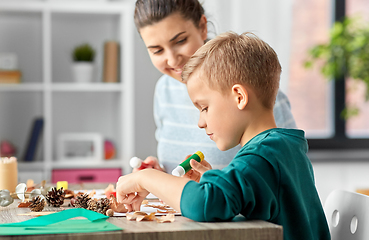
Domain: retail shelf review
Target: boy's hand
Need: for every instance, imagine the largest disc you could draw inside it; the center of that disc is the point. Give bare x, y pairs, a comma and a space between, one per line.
130, 192
152, 161
197, 170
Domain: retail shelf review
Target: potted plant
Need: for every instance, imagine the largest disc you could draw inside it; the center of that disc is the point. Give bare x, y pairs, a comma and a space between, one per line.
83, 57
345, 55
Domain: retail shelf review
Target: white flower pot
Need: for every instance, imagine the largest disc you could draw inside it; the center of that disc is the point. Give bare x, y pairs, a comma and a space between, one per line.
82, 71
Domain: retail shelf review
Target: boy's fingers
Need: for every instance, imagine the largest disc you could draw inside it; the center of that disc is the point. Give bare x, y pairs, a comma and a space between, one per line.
198, 166
126, 199
129, 207
206, 164
188, 174
137, 205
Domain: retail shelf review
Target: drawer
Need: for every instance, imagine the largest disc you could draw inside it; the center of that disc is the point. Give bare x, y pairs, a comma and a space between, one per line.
108, 175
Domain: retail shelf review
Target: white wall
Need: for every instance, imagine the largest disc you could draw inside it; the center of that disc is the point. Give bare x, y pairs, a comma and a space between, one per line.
269, 19
340, 169
146, 76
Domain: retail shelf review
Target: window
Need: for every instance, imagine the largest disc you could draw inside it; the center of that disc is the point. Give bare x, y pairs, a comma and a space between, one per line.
357, 127
317, 102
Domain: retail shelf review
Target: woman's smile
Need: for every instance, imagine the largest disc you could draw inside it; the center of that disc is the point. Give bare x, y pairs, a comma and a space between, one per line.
171, 49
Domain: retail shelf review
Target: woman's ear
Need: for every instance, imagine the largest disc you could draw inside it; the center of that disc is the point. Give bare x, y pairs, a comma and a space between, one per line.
203, 25
241, 95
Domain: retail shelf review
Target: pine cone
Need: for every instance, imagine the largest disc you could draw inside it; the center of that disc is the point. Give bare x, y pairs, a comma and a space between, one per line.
55, 197
92, 204
82, 201
102, 205
37, 204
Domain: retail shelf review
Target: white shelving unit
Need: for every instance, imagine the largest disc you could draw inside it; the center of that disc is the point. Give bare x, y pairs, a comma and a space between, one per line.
43, 34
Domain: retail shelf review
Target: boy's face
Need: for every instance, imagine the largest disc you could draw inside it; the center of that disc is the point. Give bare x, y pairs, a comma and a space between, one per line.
219, 114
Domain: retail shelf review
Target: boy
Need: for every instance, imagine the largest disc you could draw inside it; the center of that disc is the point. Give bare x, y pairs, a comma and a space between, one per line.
233, 81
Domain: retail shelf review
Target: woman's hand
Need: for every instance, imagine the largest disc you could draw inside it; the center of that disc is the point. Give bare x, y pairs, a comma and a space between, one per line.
130, 192
153, 162
198, 169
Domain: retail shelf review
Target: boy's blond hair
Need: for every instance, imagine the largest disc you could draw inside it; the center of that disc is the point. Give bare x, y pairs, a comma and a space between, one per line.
231, 59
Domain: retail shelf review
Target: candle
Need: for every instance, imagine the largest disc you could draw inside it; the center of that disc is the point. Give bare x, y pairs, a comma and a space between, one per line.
8, 173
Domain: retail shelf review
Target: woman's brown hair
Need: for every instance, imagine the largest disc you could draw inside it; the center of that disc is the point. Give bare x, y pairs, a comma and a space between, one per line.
148, 12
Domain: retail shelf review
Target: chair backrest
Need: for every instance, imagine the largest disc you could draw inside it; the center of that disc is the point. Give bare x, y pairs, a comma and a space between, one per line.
347, 215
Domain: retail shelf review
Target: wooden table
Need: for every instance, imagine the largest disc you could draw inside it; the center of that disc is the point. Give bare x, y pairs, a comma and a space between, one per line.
181, 229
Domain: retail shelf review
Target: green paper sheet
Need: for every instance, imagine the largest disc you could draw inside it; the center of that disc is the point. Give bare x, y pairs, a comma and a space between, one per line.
60, 222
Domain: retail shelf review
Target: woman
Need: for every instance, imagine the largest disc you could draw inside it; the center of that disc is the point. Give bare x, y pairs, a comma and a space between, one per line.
172, 31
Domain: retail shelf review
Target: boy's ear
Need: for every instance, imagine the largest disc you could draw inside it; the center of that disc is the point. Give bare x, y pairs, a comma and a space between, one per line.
241, 95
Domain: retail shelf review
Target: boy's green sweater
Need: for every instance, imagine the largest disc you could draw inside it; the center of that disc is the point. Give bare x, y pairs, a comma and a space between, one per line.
270, 179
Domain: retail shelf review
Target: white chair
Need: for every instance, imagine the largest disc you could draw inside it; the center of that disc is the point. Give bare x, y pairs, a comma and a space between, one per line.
347, 215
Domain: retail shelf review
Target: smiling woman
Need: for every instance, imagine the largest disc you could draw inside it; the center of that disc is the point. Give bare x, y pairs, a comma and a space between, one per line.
173, 30
170, 50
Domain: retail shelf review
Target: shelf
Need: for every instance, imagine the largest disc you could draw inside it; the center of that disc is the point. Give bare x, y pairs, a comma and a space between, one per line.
30, 166
82, 7
86, 87
21, 87
43, 34
98, 7
62, 87
21, 6
113, 163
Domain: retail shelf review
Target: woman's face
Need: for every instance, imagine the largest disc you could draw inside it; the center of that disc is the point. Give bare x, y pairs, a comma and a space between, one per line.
172, 41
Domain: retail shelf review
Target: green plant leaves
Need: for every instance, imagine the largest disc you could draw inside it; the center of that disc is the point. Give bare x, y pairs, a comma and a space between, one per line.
346, 54
84, 53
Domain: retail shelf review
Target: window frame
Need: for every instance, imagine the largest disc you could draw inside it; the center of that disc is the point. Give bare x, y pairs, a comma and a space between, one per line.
339, 140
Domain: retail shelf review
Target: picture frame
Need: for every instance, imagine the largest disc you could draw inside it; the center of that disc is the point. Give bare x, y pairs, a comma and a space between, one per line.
80, 147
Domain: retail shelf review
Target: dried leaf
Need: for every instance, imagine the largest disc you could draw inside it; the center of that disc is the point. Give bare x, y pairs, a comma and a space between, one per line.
92, 193
110, 188
131, 216
30, 189
24, 204
110, 191
166, 211
30, 183
117, 207
135, 215
68, 196
165, 219
69, 193
140, 213
150, 217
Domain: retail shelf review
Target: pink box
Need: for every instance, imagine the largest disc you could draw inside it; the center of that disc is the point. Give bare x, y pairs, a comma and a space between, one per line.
109, 175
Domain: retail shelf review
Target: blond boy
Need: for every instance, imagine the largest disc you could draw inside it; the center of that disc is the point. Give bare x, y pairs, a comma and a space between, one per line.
233, 81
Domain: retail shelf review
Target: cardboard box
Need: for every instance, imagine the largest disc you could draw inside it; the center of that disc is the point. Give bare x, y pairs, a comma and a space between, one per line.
111, 61
10, 76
